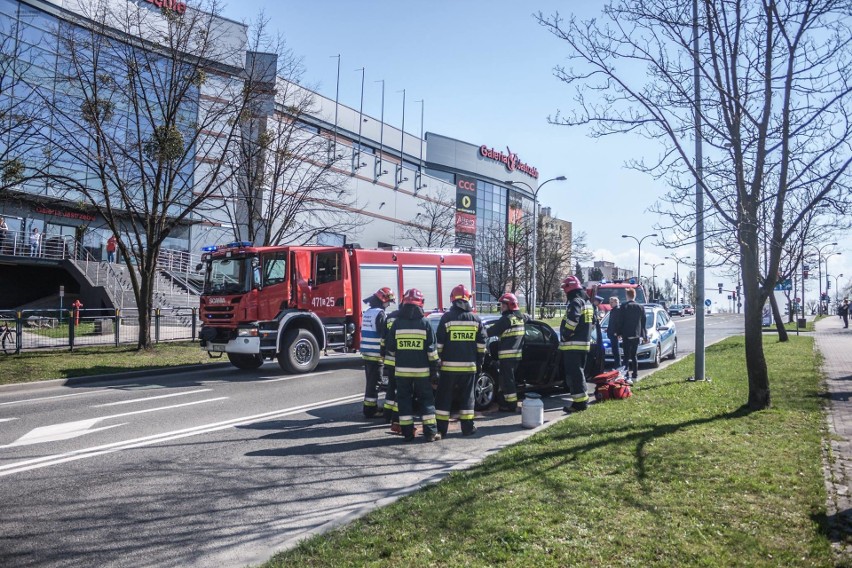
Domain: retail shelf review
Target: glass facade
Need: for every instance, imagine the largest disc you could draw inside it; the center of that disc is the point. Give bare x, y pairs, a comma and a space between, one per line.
50, 79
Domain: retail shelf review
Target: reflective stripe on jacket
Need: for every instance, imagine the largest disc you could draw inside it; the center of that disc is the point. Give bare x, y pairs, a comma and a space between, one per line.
575, 332
510, 329
411, 345
461, 341
372, 332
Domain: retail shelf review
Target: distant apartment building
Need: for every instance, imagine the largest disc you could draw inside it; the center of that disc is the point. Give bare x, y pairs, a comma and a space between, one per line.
606, 270
558, 232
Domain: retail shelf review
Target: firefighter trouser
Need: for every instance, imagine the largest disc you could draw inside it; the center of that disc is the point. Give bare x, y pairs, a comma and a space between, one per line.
447, 384
373, 371
616, 352
407, 388
575, 379
631, 345
508, 384
391, 409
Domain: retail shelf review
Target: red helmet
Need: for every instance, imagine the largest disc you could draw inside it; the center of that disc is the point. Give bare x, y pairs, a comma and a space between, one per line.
460, 292
510, 299
385, 295
413, 296
571, 283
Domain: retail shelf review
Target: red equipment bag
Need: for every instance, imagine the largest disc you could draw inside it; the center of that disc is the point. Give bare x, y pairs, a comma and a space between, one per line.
602, 392
619, 389
606, 377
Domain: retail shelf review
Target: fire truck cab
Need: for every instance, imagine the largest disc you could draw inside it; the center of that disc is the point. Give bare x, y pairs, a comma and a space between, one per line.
292, 302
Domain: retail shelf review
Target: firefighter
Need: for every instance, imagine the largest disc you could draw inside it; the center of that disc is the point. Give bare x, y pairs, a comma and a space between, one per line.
373, 330
411, 344
461, 349
575, 341
510, 329
391, 411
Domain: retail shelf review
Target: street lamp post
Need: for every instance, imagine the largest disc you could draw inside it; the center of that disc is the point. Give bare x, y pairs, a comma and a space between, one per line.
826, 257
678, 260
533, 284
836, 284
639, 242
654, 266
819, 270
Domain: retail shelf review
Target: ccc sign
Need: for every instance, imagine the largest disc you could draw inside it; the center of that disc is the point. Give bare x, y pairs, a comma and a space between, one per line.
466, 185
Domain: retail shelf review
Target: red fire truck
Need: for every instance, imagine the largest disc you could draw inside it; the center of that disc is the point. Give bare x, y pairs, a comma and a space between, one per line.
292, 302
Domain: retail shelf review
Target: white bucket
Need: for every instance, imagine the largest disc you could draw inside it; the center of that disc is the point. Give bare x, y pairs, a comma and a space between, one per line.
532, 411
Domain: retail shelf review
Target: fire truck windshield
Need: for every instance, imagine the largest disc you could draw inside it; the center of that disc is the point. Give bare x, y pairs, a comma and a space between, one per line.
228, 276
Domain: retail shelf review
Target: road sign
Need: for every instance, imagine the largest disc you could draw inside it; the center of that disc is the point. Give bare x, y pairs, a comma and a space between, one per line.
784, 285
708, 303
62, 291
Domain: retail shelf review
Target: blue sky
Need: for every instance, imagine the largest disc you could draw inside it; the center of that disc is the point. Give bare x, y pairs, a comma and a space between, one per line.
485, 72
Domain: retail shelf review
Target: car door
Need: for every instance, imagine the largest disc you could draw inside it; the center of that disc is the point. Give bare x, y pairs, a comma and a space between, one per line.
666, 329
539, 355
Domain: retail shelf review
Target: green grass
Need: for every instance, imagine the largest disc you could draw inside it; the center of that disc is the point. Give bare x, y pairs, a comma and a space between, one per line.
681, 474
32, 366
61, 330
792, 326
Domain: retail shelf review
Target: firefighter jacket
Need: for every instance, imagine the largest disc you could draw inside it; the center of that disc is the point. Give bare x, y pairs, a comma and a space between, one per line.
510, 329
411, 344
461, 340
576, 328
391, 317
373, 329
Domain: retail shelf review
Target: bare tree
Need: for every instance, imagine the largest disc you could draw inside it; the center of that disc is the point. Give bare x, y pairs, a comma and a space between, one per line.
150, 103
434, 225
292, 187
554, 262
492, 259
776, 81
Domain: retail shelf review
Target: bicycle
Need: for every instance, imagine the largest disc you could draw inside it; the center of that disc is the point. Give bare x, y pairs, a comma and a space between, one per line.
8, 339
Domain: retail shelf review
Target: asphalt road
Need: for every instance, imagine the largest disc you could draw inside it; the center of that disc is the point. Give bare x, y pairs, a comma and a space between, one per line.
215, 467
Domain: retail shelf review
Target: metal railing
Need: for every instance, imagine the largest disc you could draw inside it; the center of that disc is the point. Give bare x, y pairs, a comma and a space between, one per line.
30, 330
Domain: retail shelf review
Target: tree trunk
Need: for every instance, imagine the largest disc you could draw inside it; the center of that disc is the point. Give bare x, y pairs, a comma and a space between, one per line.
145, 303
776, 316
758, 376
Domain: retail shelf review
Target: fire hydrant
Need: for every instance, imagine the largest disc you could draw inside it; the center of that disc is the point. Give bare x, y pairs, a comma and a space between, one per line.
77, 305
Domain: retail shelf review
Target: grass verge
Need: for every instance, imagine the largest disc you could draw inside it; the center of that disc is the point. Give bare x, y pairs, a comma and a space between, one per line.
32, 366
681, 474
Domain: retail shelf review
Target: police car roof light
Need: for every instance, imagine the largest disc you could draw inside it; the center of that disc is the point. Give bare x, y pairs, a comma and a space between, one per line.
210, 248
238, 244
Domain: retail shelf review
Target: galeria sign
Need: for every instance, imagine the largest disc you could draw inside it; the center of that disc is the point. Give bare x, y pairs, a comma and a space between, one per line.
509, 159
174, 5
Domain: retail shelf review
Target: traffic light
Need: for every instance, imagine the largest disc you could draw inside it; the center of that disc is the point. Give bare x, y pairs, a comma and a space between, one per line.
805, 269
828, 284
720, 287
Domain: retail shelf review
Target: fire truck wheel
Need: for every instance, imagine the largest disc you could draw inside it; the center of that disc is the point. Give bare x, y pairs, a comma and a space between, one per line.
245, 362
299, 351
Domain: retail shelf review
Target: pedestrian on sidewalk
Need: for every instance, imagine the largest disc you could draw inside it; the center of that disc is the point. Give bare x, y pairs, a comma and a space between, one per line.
632, 330
110, 248
35, 242
612, 330
843, 311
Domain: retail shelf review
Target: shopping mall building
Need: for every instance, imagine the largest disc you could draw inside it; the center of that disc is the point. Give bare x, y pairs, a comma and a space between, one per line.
386, 176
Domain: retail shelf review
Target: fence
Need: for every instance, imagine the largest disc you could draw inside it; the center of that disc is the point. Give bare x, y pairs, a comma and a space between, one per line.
27, 330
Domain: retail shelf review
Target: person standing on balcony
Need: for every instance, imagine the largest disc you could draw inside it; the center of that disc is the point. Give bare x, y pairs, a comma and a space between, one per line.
110, 248
4, 234
35, 242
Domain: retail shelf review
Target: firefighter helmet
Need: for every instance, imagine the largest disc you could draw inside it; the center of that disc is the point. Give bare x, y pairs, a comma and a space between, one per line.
385, 295
570, 284
460, 292
510, 299
413, 296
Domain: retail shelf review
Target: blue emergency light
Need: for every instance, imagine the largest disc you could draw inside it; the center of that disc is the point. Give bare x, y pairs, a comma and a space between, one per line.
210, 248
238, 244
632, 281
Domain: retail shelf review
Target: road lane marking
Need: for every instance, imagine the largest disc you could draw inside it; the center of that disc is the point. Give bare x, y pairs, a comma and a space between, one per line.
146, 399
290, 378
50, 397
68, 430
7, 419
47, 461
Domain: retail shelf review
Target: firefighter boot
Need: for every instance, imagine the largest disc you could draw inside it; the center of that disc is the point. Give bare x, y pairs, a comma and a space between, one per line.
576, 407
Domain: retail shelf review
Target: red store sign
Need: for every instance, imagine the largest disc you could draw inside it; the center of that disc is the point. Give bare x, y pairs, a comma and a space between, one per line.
510, 160
65, 213
173, 5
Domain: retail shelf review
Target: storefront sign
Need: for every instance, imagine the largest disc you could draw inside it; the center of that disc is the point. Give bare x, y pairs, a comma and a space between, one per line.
509, 159
466, 195
173, 5
465, 223
65, 213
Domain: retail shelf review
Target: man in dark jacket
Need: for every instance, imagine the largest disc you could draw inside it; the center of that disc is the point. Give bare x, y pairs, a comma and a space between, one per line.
373, 329
461, 348
575, 342
632, 330
510, 329
411, 345
612, 330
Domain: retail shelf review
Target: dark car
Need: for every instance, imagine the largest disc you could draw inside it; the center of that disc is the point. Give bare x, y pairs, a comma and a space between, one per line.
541, 366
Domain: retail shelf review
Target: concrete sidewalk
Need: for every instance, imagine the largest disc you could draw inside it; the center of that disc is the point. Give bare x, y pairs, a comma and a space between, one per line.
835, 344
